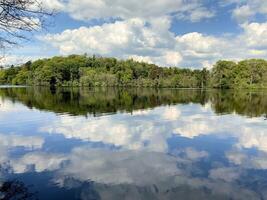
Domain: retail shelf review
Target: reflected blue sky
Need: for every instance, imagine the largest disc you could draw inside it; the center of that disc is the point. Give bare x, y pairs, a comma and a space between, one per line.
158, 153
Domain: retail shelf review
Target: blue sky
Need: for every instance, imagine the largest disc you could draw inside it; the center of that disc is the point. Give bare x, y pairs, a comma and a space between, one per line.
182, 33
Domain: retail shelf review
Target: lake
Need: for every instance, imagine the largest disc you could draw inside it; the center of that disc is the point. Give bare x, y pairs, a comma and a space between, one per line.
135, 144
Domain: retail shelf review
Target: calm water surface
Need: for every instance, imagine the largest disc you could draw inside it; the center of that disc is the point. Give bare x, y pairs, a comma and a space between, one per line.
132, 144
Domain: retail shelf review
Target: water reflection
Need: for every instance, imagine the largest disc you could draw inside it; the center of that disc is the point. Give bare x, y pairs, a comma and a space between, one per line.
151, 130
190, 144
16, 190
99, 101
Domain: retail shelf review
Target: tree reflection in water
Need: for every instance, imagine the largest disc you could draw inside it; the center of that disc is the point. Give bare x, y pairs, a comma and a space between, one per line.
16, 190
100, 101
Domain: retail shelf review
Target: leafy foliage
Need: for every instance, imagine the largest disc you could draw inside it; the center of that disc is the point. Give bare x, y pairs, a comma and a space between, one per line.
245, 74
81, 70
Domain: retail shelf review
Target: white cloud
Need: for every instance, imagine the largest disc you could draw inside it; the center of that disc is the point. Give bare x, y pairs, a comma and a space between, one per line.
193, 10
171, 113
245, 161
196, 45
118, 36
8, 60
255, 35
128, 134
142, 41
141, 112
132, 38
7, 107
236, 157
254, 136
250, 133
53, 4
145, 59
39, 160
120, 167
144, 169
133, 169
10, 141
198, 14
205, 50
149, 131
130, 169
226, 174
245, 11
30, 142
195, 125
195, 155
172, 58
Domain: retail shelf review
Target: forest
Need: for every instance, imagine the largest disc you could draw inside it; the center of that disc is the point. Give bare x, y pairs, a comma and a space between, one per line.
85, 71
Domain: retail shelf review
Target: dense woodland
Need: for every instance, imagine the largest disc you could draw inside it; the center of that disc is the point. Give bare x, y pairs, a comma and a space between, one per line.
84, 71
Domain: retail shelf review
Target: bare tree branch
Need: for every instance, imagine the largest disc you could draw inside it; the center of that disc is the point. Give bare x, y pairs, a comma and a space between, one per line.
20, 17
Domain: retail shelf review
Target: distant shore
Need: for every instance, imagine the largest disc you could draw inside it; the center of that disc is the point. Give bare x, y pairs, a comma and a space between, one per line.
84, 71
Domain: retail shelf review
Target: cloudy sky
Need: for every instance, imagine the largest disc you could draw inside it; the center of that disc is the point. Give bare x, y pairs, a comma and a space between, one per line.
183, 33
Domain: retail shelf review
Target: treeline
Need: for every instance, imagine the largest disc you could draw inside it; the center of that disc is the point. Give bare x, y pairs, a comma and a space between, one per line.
81, 70
244, 74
